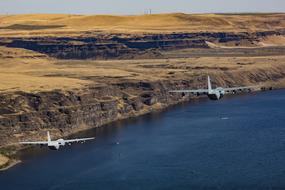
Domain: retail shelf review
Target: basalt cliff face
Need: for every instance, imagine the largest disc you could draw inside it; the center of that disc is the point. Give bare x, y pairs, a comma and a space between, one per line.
57, 76
122, 46
69, 111
24, 114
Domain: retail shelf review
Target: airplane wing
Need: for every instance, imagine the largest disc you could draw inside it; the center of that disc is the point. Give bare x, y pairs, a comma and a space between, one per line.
201, 91
35, 143
78, 140
229, 90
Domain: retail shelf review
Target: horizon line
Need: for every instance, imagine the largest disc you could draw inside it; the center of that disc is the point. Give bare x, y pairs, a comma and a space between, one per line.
161, 13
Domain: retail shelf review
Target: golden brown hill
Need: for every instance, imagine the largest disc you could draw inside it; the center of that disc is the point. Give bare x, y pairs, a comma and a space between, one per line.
17, 66
158, 23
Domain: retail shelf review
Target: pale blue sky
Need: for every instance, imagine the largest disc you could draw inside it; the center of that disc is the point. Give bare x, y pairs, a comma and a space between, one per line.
138, 6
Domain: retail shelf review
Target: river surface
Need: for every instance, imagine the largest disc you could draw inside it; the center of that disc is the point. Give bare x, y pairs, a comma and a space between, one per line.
235, 143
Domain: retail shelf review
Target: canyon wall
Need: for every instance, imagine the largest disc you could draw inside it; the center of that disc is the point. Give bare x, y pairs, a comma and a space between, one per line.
110, 46
23, 115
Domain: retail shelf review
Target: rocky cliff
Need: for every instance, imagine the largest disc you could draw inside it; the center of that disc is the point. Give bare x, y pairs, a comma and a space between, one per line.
132, 46
23, 114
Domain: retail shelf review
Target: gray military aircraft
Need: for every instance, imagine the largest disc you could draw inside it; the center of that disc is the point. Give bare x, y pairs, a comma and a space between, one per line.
55, 145
214, 94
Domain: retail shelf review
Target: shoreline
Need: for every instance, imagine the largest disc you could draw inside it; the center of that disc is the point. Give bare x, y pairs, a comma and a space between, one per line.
11, 163
15, 161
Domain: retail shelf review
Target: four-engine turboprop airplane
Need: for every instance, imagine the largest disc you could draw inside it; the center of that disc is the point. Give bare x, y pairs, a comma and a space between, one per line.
214, 94
54, 145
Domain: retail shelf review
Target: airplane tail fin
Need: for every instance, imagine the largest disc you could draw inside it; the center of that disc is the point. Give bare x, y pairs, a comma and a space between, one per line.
48, 137
209, 84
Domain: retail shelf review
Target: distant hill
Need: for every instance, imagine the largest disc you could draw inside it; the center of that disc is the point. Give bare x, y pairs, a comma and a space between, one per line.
156, 23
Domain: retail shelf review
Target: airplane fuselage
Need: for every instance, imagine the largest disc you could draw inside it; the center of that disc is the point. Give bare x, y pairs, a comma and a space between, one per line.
55, 145
216, 94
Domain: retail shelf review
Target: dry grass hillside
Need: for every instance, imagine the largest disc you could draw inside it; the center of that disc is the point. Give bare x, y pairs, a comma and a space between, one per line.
50, 24
16, 66
25, 70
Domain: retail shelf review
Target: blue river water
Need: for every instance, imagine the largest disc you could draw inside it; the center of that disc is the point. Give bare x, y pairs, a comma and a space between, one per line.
235, 143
